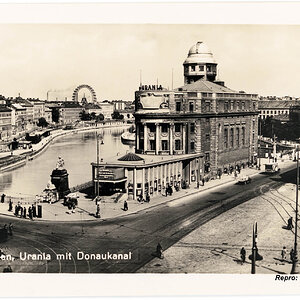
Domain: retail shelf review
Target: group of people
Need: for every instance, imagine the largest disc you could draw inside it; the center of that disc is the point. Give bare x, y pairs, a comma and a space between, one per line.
23, 212
141, 199
283, 254
169, 190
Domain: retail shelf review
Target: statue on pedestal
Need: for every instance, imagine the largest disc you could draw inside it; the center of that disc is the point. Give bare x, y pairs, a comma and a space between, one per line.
59, 178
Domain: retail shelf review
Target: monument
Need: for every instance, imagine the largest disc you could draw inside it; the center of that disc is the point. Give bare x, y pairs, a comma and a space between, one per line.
59, 178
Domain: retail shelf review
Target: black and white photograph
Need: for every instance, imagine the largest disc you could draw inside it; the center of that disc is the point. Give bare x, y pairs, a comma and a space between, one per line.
149, 148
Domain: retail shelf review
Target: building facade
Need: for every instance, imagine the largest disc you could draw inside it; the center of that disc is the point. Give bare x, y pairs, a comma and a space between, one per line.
190, 134
69, 112
5, 123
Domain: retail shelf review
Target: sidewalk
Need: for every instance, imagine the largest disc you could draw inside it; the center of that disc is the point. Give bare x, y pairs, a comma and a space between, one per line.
87, 208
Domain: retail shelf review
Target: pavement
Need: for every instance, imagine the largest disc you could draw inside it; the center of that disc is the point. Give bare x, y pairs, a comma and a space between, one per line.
214, 247
86, 209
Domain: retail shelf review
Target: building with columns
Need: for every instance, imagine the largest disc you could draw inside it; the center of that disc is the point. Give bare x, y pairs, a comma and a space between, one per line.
197, 131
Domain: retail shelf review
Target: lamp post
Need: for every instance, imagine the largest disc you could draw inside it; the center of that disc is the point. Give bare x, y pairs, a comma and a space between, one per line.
295, 257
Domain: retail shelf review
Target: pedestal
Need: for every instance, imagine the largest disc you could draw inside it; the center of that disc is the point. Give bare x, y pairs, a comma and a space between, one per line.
59, 178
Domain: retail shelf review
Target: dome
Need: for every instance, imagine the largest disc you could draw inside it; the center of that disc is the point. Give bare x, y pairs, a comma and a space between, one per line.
130, 157
200, 53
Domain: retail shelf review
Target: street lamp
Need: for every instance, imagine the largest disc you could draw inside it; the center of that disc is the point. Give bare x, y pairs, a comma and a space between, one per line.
295, 256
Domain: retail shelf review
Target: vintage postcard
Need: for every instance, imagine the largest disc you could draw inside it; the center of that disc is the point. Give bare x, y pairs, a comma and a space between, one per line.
151, 149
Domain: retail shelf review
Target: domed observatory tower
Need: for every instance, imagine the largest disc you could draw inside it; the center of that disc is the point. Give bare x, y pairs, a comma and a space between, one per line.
200, 64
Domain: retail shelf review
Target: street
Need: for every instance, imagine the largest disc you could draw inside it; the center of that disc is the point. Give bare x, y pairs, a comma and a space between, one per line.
139, 233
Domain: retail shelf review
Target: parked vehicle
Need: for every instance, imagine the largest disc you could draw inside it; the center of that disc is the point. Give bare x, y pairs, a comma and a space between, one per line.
272, 167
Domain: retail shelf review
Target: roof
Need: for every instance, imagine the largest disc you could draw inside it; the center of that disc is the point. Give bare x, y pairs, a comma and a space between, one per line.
277, 104
17, 106
202, 85
71, 105
130, 157
91, 106
146, 160
4, 108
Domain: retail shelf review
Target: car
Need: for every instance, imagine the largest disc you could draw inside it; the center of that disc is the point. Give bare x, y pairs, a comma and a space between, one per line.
244, 179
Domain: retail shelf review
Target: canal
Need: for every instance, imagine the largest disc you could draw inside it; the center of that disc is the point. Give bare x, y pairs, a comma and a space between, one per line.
78, 151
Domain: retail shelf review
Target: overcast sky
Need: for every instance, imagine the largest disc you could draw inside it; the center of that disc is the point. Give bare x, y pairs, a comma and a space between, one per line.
34, 59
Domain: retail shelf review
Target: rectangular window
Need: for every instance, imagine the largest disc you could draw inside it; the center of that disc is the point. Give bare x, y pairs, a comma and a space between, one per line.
225, 138
152, 145
243, 136
207, 137
201, 68
152, 127
192, 127
164, 145
178, 106
191, 106
237, 137
243, 105
192, 146
164, 128
237, 105
207, 120
207, 106
226, 106
231, 137
254, 106
231, 105
193, 68
177, 128
207, 156
177, 145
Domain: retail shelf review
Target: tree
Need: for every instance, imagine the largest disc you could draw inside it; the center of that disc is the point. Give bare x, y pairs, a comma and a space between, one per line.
85, 116
55, 115
99, 118
117, 116
42, 122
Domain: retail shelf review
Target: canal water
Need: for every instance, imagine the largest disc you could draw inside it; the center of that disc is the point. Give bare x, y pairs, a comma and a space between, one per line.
78, 151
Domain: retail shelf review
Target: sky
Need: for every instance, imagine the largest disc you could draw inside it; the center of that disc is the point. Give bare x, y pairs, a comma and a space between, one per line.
55, 58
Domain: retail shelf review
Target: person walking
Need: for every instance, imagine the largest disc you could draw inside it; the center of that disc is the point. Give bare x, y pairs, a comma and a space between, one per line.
243, 255
30, 213
98, 211
34, 210
10, 205
292, 255
10, 229
283, 253
290, 225
125, 205
159, 251
2, 198
24, 212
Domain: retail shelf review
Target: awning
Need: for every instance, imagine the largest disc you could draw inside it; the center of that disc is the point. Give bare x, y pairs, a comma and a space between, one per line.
111, 181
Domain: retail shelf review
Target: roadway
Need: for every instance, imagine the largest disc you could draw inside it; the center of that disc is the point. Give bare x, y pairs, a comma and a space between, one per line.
139, 233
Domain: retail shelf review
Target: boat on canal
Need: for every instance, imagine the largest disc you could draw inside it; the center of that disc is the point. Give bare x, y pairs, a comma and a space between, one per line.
128, 138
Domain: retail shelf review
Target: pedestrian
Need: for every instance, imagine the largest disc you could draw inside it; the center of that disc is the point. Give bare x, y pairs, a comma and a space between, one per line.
125, 205
203, 181
2, 198
292, 255
10, 205
159, 251
34, 210
24, 212
166, 191
148, 198
16, 210
243, 255
171, 191
30, 213
198, 185
10, 227
98, 211
290, 223
283, 253
21, 211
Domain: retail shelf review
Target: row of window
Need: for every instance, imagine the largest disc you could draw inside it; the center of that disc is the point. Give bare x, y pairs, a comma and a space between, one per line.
165, 145
231, 134
200, 68
208, 106
275, 112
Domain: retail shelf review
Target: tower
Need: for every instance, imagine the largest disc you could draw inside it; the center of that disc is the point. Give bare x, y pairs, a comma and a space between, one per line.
200, 64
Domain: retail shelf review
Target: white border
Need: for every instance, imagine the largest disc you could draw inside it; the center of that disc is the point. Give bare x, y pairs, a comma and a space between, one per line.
33, 285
